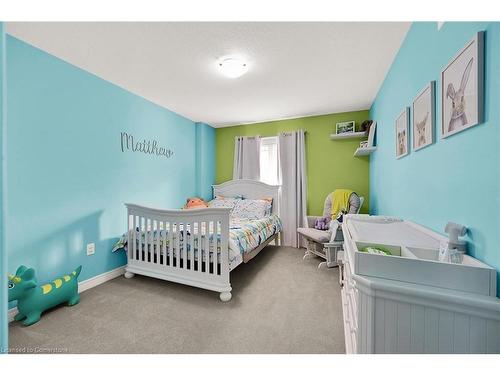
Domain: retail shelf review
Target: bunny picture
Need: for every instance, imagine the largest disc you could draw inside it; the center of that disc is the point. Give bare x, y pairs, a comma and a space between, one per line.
462, 88
458, 116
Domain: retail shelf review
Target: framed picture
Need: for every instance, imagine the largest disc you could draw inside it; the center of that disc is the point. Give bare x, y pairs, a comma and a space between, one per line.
423, 115
402, 135
462, 82
345, 127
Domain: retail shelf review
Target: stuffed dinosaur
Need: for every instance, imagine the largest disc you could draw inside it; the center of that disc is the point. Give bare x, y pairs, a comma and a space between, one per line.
33, 300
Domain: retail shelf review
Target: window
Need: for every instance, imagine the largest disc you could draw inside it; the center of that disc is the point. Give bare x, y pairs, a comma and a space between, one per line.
269, 172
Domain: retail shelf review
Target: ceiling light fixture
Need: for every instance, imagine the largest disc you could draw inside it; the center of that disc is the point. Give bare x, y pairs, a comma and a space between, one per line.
232, 67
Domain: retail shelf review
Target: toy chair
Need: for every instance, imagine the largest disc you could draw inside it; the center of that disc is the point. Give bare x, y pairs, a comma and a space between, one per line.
324, 243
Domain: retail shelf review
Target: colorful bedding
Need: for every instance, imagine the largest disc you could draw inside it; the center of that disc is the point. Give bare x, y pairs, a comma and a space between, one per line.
245, 235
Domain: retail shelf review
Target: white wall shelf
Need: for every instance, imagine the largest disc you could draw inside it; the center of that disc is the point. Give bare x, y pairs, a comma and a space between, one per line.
364, 151
338, 137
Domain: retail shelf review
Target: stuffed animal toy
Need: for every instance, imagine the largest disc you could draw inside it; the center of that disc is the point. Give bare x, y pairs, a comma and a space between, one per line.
322, 223
195, 202
33, 300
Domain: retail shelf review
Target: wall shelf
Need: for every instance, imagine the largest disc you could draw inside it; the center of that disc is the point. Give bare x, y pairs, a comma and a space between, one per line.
364, 151
338, 137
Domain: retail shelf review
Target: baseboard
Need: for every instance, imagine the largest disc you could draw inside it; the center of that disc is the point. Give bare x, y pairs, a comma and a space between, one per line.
100, 279
85, 285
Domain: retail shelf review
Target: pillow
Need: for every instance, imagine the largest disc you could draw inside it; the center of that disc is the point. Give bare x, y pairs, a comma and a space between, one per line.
250, 209
223, 203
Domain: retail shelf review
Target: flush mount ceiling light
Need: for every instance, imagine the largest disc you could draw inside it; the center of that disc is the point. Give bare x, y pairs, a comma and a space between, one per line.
232, 67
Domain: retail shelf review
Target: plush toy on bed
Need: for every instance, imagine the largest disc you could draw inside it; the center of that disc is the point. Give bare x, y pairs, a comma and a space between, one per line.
195, 202
33, 300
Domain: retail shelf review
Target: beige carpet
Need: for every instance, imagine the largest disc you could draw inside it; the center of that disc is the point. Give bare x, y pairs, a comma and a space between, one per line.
281, 304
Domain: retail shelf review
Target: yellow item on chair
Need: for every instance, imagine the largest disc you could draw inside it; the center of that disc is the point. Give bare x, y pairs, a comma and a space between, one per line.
340, 201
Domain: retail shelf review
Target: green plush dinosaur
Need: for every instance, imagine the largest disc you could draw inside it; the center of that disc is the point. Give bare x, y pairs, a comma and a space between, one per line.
33, 300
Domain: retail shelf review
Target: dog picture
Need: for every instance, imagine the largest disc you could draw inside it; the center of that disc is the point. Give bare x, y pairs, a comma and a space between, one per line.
402, 142
402, 134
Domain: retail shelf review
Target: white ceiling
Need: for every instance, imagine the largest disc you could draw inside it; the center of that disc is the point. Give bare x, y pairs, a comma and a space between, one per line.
295, 69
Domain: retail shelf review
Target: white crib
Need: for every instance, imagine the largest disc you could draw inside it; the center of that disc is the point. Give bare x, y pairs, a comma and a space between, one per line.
189, 246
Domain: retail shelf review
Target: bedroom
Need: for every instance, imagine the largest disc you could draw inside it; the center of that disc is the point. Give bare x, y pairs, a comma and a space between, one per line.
208, 175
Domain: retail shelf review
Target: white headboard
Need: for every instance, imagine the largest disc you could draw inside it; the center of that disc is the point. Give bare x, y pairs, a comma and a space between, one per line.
249, 189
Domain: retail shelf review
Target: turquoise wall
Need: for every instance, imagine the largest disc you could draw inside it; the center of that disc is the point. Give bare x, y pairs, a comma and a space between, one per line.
457, 178
3, 253
67, 177
205, 163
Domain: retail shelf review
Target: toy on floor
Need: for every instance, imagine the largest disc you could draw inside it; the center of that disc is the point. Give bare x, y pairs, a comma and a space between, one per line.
195, 202
33, 300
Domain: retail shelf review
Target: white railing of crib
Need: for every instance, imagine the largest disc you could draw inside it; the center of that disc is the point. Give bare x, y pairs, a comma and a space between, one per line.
185, 246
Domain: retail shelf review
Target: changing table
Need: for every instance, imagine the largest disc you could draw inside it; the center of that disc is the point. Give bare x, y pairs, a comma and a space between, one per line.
409, 302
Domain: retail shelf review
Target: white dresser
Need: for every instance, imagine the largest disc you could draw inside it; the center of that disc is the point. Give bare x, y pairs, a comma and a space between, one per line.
410, 303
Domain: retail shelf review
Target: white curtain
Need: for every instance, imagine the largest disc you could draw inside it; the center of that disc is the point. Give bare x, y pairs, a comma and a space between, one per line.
246, 158
292, 160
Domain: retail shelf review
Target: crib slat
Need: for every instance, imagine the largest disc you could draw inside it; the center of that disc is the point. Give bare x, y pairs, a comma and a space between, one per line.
158, 248
215, 243
129, 250
177, 245
198, 247
134, 235
152, 241
139, 255
164, 239
171, 243
146, 240
151, 232
184, 245
207, 247
191, 246
129, 246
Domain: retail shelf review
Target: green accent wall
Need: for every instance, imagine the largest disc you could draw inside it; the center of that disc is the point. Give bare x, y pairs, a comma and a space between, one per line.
330, 164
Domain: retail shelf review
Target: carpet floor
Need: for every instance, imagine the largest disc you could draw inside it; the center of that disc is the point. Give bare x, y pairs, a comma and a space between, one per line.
280, 304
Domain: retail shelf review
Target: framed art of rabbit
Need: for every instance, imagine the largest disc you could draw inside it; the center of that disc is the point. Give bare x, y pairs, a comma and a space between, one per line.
462, 83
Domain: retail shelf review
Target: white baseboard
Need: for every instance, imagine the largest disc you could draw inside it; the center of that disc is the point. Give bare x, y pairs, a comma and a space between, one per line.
85, 285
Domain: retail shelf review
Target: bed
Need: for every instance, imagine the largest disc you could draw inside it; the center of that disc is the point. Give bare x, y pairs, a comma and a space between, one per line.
199, 247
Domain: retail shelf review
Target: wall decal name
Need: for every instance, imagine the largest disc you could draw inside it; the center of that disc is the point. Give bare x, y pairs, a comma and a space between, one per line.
145, 146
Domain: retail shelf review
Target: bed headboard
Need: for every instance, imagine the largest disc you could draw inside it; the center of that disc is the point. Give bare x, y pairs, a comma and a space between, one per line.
249, 189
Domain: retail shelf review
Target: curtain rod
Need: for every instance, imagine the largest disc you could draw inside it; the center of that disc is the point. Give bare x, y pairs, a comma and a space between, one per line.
267, 136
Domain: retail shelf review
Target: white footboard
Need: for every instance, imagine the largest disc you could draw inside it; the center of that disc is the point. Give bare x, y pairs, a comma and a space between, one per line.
184, 246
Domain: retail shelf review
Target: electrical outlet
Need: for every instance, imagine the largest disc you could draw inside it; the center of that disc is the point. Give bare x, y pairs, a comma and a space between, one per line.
91, 248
